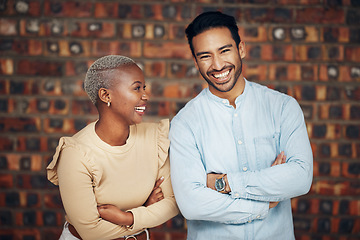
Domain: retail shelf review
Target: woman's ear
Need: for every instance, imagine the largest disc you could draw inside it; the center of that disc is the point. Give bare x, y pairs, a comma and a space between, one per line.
104, 95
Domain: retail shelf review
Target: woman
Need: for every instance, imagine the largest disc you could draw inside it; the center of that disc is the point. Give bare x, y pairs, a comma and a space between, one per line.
116, 163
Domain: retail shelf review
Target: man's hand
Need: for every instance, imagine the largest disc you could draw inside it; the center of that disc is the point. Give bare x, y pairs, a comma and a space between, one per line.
113, 214
280, 159
210, 181
156, 194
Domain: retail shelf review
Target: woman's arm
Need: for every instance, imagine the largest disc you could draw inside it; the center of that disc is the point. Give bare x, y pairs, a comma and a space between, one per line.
113, 214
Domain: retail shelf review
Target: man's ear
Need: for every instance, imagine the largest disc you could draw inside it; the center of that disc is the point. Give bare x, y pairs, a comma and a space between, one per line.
242, 49
104, 95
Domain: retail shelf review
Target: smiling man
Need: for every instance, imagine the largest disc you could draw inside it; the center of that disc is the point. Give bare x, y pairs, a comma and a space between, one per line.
239, 151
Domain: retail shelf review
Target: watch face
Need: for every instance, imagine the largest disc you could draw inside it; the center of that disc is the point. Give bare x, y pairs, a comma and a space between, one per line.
220, 184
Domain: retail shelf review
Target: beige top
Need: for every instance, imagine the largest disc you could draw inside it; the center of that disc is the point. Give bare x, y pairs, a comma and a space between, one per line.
90, 173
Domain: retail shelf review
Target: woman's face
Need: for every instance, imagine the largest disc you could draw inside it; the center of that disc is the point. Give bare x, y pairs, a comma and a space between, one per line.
127, 94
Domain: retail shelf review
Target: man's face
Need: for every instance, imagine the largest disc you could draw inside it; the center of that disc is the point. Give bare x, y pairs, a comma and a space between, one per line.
218, 59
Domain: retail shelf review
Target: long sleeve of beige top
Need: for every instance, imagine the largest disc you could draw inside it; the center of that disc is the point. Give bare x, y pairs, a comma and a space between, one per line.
91, 173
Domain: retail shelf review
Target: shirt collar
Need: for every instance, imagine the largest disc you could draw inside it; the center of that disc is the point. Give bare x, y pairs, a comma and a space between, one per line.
225, 101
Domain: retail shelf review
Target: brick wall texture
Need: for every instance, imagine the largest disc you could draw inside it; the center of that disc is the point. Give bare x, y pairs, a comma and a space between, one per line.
309, 49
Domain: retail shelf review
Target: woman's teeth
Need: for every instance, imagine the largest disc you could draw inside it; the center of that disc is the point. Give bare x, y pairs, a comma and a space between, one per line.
222, 75
140, 109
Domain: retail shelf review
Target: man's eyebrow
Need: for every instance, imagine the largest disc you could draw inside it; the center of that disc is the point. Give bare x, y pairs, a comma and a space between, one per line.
221, 48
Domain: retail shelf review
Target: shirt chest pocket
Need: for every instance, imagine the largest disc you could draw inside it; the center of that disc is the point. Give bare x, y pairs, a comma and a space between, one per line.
266, 150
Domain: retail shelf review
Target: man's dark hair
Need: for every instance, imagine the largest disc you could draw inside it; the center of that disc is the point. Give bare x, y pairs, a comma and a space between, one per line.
209, 20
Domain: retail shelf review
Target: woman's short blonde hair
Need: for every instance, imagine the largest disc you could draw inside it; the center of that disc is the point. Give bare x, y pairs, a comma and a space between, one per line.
99, 74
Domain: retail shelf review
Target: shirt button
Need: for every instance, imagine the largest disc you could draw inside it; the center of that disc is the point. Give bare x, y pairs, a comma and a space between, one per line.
236, 195
258, 216
249, 221
224, 101
235, 115
244, 169
240, 142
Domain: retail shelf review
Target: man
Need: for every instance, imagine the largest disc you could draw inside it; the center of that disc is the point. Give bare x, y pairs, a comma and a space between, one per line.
228, 145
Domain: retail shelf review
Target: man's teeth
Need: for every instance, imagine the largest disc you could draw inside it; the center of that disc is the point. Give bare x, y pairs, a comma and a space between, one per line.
222, 75
140, 109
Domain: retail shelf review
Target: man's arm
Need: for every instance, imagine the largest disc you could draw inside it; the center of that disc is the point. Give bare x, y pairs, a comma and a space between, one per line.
211, 177
283, 181
188, 176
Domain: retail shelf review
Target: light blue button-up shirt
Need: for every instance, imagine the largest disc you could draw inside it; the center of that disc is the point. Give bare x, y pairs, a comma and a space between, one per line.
209, 135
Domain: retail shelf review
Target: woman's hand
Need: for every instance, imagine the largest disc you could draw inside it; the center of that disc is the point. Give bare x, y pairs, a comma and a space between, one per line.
115, 215
156, 194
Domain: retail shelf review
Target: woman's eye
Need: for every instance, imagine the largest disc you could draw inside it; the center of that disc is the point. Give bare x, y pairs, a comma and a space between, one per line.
137, 88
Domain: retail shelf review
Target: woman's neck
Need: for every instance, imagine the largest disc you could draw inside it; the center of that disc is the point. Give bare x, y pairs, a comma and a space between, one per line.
112, 132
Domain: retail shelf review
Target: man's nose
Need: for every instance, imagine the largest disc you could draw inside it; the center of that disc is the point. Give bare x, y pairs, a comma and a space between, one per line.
218, 63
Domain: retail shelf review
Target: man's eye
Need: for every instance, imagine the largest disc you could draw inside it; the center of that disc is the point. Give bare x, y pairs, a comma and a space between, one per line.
204, 57
225, 50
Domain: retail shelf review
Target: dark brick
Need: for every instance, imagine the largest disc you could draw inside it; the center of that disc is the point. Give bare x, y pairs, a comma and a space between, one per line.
281, 73
345, 150
178, 222
302, 224
60, 104
326, 206
29, 237
12, 199
324, 168
79, 124
353, 17
4, 105
255, 52
6, 218
308, 93
319, 131
355, 3
32, 199
39, 181
352, 131
17, 87
314, 52
303, 205
346, 225
29, 218
354, 168
56, 123
307, 73
344, 207
49, 218
25, 163
43, 105
331, 35
333, 93
52, 143
355, 36
3, 162
335, 112
169, 11
32, 144
324, 225
307, 110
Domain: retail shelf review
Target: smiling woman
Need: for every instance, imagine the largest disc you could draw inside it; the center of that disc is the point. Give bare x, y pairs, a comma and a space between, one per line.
114, 175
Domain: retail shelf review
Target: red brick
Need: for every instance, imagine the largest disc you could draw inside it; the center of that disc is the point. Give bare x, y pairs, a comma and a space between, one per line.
6, 66
8, 27
352, 54
255, 72
167, 50
320, 15
77, 9
131, 49
6, 181
258, 34
106, 10
39, 68
6, 144
155, 69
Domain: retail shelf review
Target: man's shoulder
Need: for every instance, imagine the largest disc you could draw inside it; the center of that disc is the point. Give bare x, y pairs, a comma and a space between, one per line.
268, 93
191, 108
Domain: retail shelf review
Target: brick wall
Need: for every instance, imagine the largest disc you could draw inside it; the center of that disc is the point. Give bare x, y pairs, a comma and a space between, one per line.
309, 49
